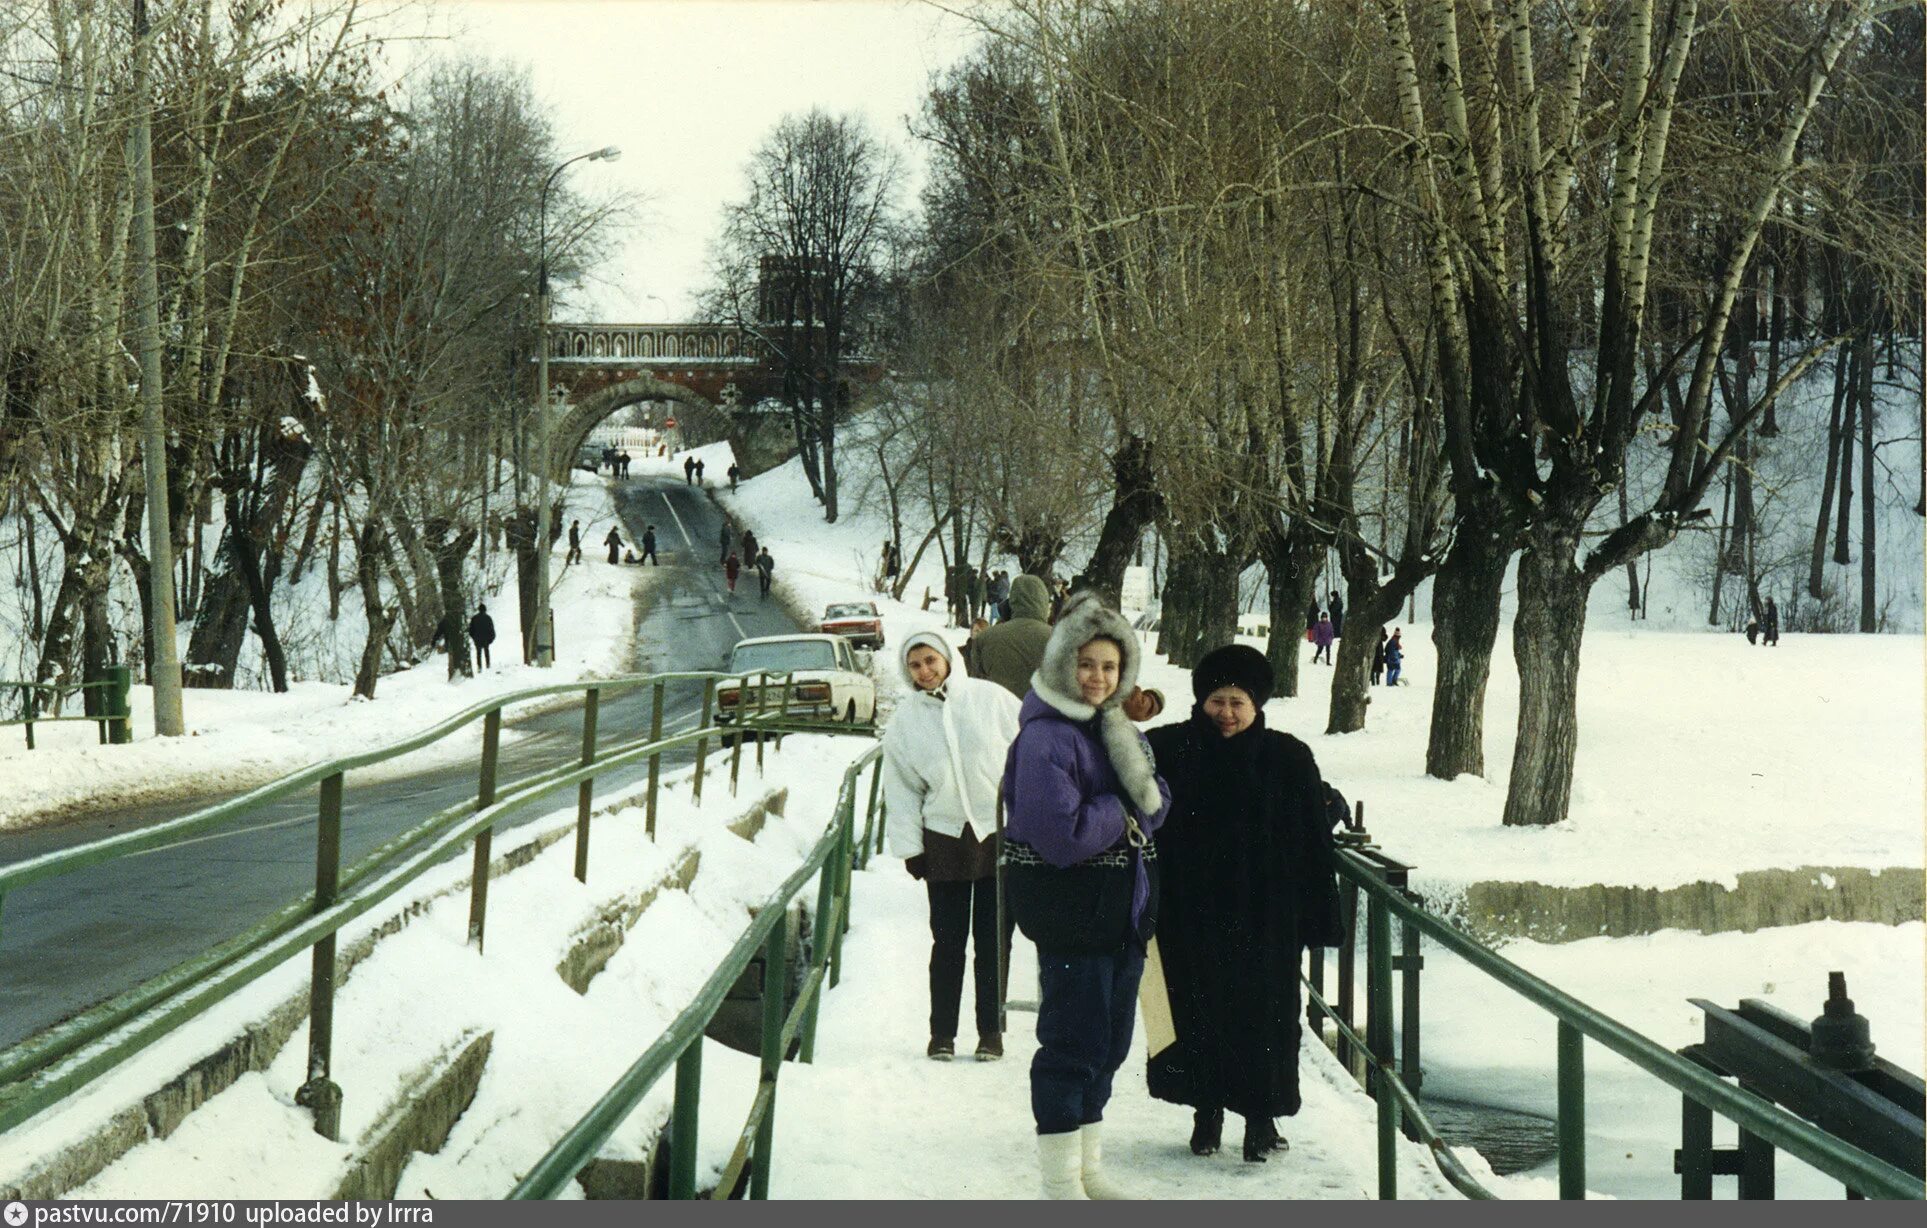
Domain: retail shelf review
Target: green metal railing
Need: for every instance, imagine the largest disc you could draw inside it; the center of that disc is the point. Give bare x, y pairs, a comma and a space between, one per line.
108, 694
680, 1045
41, 1070
1392, 1078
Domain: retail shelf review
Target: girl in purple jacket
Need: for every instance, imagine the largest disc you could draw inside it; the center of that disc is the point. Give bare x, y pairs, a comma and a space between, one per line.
1082, 798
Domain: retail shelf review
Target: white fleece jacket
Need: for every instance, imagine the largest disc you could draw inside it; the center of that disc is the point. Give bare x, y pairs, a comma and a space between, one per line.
943, 759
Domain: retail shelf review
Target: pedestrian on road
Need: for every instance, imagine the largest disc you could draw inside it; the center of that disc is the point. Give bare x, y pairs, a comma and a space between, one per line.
1378, 658
614, 542
999, 596
732, 567
1311, 620
699, 471
608, 459
1394, 658
1010, 652
943, 752
1338, 617
979, 593
688, 470
749, 543
1248, 881
765, 569
1082, 799
735, 473
481, 632
623, 459
575, 543
1321, 636
1770, 625
649, 546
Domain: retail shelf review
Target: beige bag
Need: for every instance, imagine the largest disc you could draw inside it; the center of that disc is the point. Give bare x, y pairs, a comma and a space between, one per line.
1155, 1001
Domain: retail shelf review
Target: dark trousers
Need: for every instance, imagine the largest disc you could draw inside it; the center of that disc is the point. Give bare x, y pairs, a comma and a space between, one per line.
481, 655
1083, 1034
763, 579
649, 555
960, 912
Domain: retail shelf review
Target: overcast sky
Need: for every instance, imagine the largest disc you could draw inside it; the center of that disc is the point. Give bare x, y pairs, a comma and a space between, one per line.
686, 89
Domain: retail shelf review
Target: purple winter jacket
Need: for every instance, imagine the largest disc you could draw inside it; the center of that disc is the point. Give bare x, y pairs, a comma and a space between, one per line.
1063, 798
1322, 634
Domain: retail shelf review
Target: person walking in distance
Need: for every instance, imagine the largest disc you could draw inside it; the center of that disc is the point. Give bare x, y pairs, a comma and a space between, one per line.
1311, 620
614, 542
1321, 637
1770, 625
699, 471
649, 546
623, 459
735, 474
1378, 658
1394, 658
688, 471
765, 570
732, 567
1337, 607
1082, 800
749, 543
575, 543
481, 633
943, 752
1248, 881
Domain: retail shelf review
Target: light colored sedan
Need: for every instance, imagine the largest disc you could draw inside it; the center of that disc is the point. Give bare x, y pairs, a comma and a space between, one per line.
824, 680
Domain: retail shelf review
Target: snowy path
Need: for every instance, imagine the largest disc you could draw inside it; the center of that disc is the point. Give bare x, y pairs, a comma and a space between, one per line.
873, 1118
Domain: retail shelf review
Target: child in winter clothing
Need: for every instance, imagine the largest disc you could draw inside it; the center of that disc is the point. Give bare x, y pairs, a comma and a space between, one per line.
1394, 658
732, 567
1082, 799
942, 753
1322, 636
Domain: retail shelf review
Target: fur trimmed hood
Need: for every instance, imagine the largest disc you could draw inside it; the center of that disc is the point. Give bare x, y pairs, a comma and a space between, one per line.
1083, 619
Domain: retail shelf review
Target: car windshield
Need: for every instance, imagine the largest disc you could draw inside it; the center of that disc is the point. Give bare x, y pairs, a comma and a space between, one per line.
781, 656
851, 611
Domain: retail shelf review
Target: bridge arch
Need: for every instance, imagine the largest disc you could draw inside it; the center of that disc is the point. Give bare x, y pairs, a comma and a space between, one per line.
706, 420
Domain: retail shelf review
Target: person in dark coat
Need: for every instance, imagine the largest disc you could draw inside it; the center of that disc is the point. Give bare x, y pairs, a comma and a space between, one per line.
1770, 625
623, 460
649, 546
481, 632
1337, 607
1378, 658
699, 472
614, 542
688, 470
749, 543
1248, 882
575, 543
732, 567
735, 474
1394, 658
1010, 652
765, 571
1311, 619
1082, 799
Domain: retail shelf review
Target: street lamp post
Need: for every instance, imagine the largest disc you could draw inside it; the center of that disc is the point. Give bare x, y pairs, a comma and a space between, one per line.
539, 632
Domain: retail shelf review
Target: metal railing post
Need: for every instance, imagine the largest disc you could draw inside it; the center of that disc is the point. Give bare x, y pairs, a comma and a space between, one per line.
762, 706
655, 757
702, 743
120, 729
1572, 1111
32, 700
1695, 1162
484, 798
585, 792
821, 941
1409, 964
870, 812
682, 1122
321, 1093
839, 867
1347, 974
776, 965
742, 727
1378, 1035
783, 708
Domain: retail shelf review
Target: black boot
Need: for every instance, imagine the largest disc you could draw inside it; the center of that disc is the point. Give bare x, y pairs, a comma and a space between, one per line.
1207, 1131
1261, 1139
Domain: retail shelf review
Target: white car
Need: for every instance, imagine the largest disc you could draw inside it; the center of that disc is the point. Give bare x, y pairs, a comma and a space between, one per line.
824, 678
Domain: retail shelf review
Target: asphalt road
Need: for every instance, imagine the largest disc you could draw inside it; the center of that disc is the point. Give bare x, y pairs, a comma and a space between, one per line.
70, 942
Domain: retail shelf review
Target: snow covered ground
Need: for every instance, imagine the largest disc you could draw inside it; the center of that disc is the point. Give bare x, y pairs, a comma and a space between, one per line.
238, 739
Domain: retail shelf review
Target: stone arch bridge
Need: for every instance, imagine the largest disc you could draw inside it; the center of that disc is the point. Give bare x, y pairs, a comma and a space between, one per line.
716, 377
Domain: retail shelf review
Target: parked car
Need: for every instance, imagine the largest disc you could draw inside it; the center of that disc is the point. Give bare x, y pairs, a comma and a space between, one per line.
856, 621
824, 678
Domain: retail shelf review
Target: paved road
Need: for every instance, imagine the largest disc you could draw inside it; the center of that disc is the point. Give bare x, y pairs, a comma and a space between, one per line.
70, 942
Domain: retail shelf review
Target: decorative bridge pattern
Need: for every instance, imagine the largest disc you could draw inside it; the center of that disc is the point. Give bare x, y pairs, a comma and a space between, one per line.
654, 344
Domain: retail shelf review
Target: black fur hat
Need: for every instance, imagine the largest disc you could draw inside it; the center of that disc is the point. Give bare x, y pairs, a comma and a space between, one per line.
1233, 665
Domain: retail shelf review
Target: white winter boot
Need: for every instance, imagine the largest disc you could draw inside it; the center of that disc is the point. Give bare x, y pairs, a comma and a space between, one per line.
1096, 1183
1060, 1157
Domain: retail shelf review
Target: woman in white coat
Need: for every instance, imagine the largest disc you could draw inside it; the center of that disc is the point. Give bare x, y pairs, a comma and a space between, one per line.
943, 759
